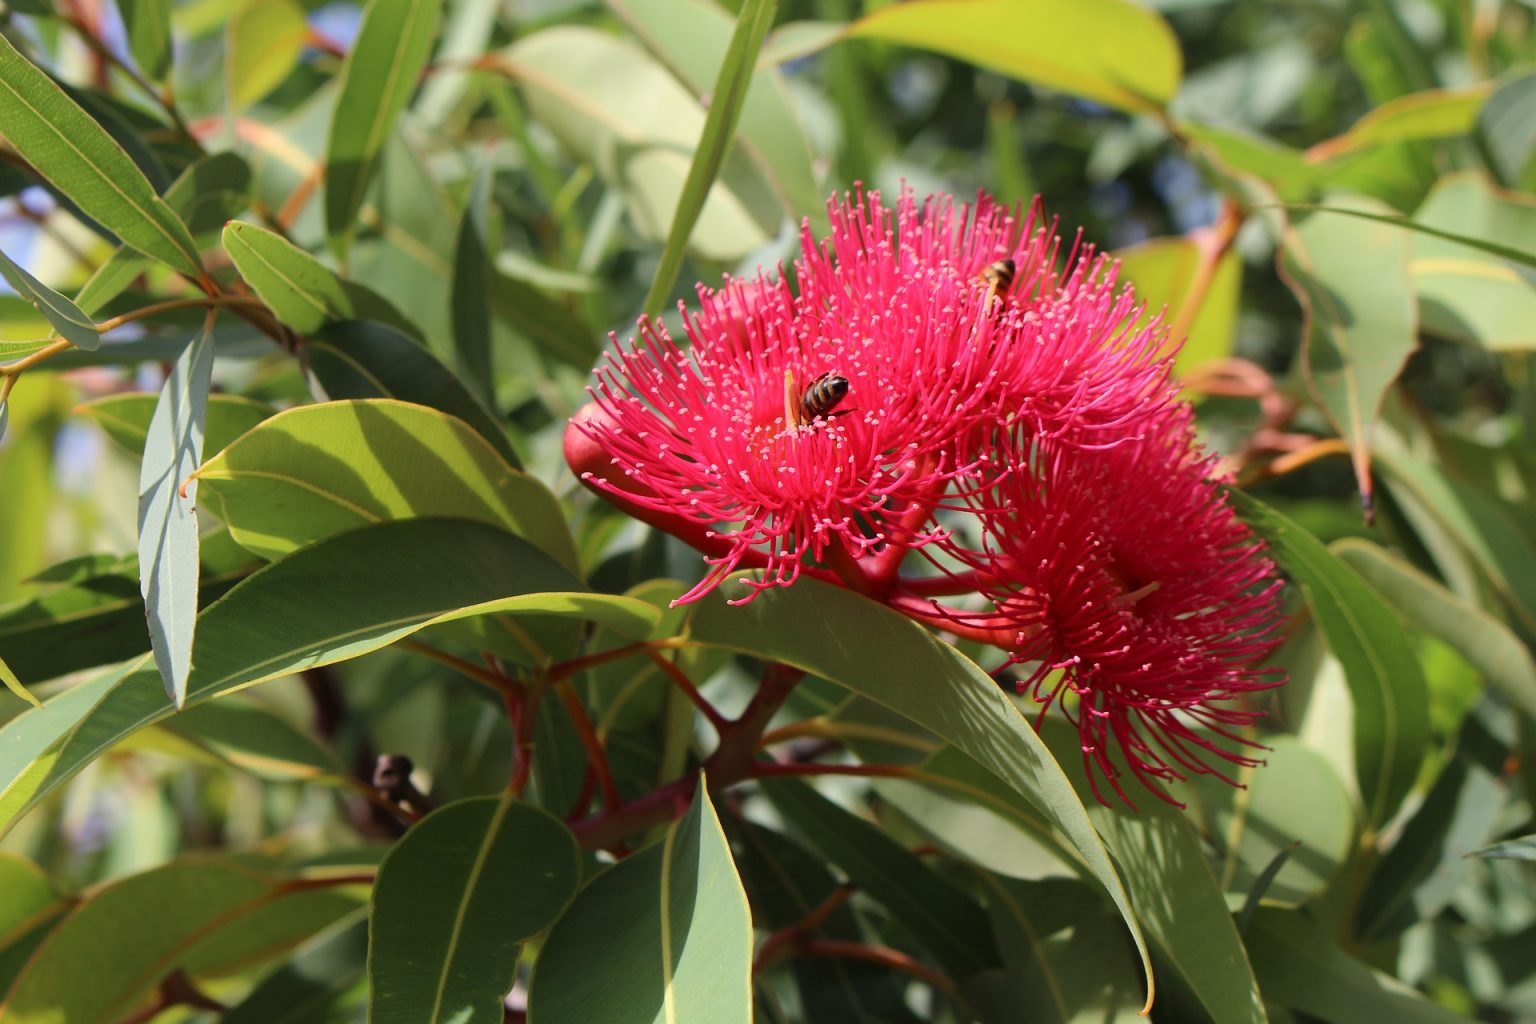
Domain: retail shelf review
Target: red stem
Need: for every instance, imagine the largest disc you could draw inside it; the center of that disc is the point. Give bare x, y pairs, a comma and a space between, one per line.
682, 682
597, 760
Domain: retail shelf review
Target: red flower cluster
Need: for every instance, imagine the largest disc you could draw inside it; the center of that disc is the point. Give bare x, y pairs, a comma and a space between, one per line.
936, 382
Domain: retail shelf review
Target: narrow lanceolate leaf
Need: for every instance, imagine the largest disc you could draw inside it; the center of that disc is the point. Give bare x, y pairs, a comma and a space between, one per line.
14, 685
473, 281
886, 657
149, 35
378, 78
726, 101
340, 598
453, 904
64, 316
168, 511
204, 196
1431, 114
665, 935
1523, 848
1351, 277
263, 43
1489, 645
77, 157
301, 291
1390, 697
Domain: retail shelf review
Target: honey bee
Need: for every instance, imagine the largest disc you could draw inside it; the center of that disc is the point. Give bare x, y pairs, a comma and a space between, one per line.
998, 277
822, 396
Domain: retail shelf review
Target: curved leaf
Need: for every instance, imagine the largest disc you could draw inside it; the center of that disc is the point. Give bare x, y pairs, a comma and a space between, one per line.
1112, 51
301, 291
1351, 277
664, 935
13, 684
339, 598
65, 317
1431, 114
1506, 130
77, 157
311, 471
205, 196
888, 658
453, 904
1484, 641
380, 74
199, 918
1385, 682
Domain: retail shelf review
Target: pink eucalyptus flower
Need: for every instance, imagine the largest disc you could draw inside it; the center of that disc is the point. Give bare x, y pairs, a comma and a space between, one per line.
824, 423
1142, 604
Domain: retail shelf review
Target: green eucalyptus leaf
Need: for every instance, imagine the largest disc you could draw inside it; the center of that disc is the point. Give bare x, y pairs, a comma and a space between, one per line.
263, 43
74, 154
13, 684
453, 904
301, 291
1299, 967
664, 935
93, 621
1063, 949
379, 75
308, 472
1110, 51
1483, 640
73, 325
1163, 273
1351, 277
125, 417
149, 35
694, 44
306, 990
715, 141
201, 918
473, 279
1506, 130
1391, 702
611, 105
168, 562
1522, 848
361, 359
342, 597
1467, 294
205, 195
1478, 523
